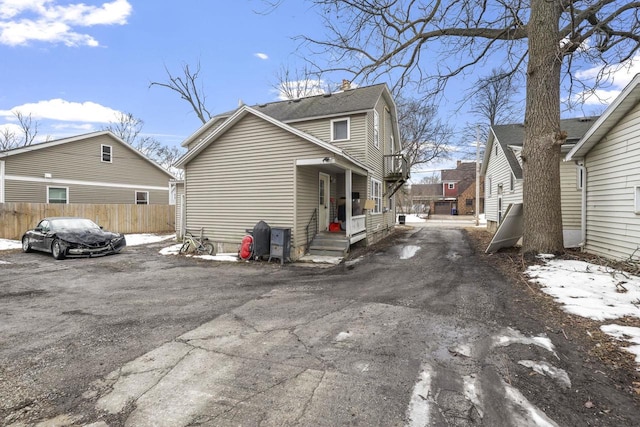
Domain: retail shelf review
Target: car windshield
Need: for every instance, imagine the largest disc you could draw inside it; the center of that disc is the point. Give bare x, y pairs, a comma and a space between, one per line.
73, 224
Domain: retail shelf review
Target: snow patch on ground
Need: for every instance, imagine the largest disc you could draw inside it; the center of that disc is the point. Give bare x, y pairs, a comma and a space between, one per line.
6, 244
409, 251
548, 370
593, 291
343, 336
419, 410
144, 239
523, 412
511, 336
626, 333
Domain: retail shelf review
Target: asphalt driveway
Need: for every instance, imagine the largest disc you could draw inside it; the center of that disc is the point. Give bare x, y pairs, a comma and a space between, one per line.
418, 332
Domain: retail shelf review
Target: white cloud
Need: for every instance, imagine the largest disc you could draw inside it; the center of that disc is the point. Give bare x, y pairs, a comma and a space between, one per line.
617, 76
22, 21
61, 110
261, 55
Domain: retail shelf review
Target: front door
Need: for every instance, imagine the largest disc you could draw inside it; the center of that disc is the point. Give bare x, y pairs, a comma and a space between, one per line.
323, 202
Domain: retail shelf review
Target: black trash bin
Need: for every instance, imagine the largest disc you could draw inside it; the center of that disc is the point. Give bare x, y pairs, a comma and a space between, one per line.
454, 211
261, 239
402, 219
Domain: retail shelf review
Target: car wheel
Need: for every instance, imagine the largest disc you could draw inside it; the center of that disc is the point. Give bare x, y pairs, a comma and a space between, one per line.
185, 248
208, 248
57, 249
26, 247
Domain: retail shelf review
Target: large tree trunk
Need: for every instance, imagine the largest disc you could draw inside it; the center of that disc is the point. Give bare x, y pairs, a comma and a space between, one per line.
541, 150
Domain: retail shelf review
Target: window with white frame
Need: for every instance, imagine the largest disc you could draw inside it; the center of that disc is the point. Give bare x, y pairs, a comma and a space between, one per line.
488, 189
142, 197
106, 153
340, 129
512, 182
451, 186
636, 199
58, 195
376, 129
376, 195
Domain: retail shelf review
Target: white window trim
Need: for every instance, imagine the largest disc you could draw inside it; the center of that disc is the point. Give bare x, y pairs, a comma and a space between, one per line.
135, 197
489, 189
102, 153
512, 182
451, 186
636, 199
57, 186
348, 120
377, 198
376, 129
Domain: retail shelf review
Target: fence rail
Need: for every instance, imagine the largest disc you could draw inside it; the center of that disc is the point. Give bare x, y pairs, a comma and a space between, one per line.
16, 218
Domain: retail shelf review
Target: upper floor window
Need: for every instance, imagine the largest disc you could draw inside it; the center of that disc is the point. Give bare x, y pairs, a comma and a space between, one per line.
142, 197
340, 129
488, 189
106, 153
512, 182
376, 195
57, 195
451, 186
376, 129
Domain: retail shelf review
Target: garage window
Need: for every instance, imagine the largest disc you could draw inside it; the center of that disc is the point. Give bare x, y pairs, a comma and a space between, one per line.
142, 197
57, 195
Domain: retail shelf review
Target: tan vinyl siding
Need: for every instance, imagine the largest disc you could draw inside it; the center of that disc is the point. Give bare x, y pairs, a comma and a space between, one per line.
245, 176
36, 192
81, 160
571, 196
613, 228
307, 201
322, 129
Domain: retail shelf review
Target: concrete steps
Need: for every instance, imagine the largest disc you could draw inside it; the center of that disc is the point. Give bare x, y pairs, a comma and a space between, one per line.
329, 244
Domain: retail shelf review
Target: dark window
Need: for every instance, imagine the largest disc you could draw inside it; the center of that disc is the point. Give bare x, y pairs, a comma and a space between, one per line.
106, 153
469, 202
142, 197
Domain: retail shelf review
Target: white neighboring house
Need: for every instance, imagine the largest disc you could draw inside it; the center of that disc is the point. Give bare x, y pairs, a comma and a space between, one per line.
610, 155
502, 169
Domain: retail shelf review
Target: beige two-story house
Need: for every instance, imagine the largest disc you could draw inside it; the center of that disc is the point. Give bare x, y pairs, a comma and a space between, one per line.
304, 164
94, 168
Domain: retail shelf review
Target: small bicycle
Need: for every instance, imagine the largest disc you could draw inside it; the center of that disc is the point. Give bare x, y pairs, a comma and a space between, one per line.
196, 245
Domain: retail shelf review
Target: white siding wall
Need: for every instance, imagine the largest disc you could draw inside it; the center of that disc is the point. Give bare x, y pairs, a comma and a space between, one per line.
499, 173
571, 204
613, 228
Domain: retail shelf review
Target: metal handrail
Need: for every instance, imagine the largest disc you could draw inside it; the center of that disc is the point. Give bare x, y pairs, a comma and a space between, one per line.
313, 221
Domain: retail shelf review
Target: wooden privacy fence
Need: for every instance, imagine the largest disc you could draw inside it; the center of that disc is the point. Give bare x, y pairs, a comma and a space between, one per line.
16, 218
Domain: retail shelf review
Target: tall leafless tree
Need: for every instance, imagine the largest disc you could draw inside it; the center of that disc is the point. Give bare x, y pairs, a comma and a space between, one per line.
425, 44
23, 136
129, 128
190, 88
300, 83
425, 137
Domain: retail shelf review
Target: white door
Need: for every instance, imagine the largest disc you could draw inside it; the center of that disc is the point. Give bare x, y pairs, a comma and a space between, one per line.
323, 202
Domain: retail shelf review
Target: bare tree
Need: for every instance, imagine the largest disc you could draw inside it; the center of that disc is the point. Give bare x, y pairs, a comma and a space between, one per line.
189, 88
300, 83
492, 99
129, 128
424, 44
23, 136
424, 136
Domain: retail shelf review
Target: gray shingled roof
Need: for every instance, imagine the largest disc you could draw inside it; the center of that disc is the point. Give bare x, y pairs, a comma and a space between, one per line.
426, 190
513, 134
358, 99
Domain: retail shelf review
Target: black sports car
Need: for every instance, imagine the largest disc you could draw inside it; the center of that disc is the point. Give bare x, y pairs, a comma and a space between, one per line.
62, 237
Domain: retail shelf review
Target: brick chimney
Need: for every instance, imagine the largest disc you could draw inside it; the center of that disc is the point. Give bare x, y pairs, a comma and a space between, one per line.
459, 163
346, 85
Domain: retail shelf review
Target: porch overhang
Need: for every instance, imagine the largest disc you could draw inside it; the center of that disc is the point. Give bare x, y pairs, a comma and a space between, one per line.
332, 164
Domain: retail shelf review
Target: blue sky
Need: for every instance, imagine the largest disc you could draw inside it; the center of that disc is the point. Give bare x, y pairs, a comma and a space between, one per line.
101, 59
73, 64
